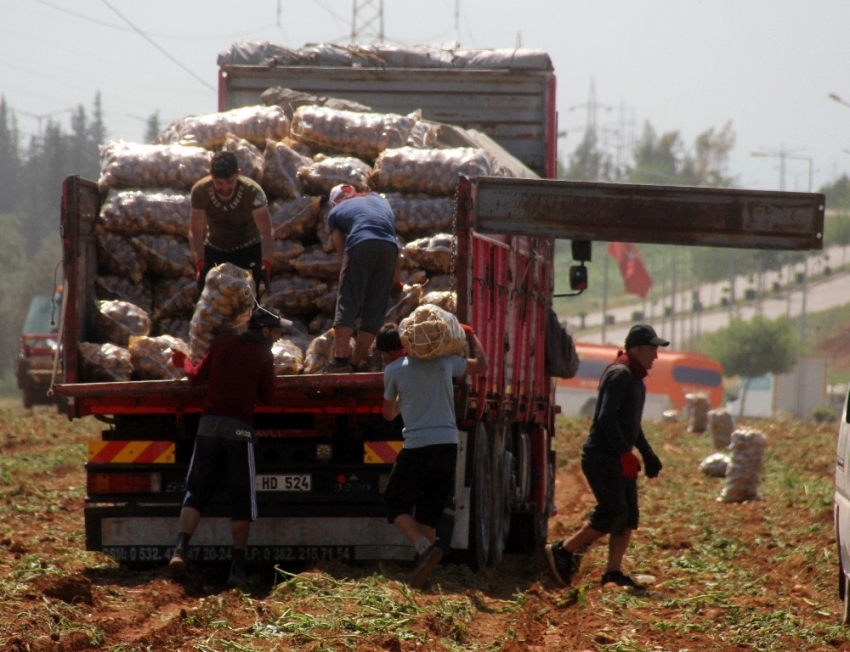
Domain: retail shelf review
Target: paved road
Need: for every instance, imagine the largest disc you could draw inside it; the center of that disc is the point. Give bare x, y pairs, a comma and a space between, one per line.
822, 293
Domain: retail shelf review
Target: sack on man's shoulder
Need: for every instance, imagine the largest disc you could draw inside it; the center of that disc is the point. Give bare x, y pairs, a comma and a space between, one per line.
561, 356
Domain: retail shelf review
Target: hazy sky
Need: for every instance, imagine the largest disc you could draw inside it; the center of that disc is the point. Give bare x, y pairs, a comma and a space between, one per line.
683, 65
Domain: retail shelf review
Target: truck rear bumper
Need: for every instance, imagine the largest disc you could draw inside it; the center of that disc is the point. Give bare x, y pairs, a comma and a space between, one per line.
149, 535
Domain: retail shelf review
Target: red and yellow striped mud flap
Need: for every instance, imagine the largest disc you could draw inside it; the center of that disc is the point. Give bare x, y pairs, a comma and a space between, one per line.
381, 452
131, 452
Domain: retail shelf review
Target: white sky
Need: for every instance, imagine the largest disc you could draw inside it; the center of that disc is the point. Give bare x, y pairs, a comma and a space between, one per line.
687, 65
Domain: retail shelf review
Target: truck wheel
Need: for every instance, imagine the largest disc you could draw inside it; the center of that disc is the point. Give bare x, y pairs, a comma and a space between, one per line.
500, 494
480, 521
28, 399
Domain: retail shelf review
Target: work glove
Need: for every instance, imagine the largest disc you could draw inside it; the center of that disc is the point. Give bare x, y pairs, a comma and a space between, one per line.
178, 358
267, 269
630, 464
652, 464
199, 267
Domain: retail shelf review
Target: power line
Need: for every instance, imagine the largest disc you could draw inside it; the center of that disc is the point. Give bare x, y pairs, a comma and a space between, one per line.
157, 46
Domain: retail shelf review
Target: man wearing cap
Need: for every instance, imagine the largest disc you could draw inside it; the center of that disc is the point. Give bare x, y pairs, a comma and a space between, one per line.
609, 463
238, 370
230, 222
363, 230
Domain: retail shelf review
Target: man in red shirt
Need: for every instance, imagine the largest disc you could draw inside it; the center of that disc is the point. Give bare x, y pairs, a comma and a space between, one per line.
238, 370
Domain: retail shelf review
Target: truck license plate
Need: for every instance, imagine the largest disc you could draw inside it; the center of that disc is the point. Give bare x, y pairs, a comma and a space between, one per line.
289, 482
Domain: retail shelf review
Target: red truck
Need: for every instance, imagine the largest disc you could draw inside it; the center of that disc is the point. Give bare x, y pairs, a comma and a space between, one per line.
324, 451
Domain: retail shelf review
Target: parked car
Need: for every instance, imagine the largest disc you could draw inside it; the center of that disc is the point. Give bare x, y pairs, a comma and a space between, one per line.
842, 507
34, 365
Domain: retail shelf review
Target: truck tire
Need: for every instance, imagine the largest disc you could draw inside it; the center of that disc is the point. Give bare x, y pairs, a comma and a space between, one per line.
480, 518
500, 493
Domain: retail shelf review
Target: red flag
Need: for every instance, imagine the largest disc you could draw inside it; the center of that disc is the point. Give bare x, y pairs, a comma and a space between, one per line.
635, 276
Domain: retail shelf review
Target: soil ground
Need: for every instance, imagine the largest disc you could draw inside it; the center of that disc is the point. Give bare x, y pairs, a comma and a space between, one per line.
56, 597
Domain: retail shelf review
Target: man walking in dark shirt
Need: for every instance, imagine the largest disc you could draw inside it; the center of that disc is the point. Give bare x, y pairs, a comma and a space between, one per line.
238, 370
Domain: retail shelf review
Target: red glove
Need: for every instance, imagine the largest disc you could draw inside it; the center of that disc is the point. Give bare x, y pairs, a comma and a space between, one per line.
267, 268
178, 358
199, 267
630, 464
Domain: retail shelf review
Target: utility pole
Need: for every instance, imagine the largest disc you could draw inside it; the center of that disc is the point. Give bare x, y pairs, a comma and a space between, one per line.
367, 22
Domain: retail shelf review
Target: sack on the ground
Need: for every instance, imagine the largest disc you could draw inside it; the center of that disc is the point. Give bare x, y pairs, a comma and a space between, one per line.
561, 356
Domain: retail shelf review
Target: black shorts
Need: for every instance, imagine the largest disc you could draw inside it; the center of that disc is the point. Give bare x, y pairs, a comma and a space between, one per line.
223, 460
365, 281
616, 497
422, 480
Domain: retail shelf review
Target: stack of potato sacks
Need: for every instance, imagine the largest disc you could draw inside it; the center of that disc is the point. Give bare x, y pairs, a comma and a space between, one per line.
145, 283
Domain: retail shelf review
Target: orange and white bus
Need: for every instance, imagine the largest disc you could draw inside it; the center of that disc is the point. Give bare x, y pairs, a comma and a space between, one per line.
673, 376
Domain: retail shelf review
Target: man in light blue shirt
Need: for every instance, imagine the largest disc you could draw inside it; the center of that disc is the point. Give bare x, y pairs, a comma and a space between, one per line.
424, 472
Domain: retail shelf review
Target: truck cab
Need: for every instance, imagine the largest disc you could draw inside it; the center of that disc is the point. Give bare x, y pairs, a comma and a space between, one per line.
38, 345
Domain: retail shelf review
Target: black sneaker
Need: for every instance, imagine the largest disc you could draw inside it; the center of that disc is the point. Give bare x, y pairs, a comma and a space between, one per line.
177, 566
563, 563
238, 579
620, 579
425, 563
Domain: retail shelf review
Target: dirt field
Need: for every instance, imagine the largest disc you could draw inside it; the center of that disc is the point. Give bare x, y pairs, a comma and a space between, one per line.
758, 575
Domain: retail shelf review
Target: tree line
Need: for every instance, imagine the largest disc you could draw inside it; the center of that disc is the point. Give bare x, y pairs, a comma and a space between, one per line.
33, 169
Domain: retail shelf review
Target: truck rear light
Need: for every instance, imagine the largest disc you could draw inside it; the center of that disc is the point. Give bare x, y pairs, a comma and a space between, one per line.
124, 483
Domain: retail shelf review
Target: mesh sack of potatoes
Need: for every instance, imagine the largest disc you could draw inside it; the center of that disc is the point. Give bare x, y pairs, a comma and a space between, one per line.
323, 231
151, 357
430, 171
326, 303
119, 288
411, 296
746, 464
363, 134
280, 170
423, 134
174, 326
249, 156
255, 124
225, 305
288, 358
320, 323
696, 411
104, 363
118, 321
445, 299
414, 276
421, 215
430, 332
134, 165
285, 251
433, 254
721, 426
292, 294
168, 255
116, 255
328, 171
174, 297
318, 352
146, 211
294, 218
440, 282
715, 465
315, 262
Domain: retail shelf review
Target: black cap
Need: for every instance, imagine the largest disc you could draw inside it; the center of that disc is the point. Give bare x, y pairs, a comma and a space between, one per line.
263, 318
644, 334
224, 165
